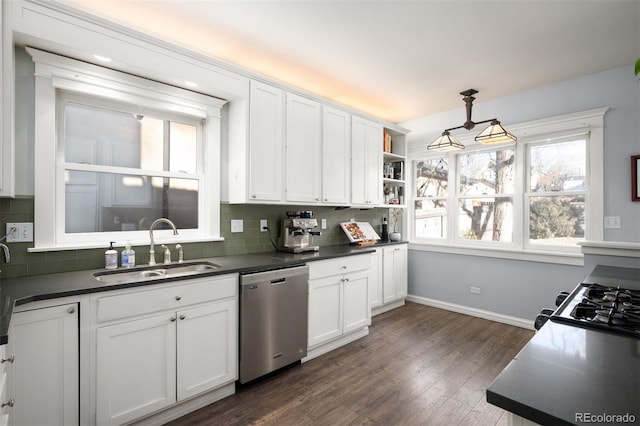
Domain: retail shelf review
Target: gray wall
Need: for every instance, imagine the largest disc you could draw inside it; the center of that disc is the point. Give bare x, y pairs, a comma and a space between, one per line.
520, 288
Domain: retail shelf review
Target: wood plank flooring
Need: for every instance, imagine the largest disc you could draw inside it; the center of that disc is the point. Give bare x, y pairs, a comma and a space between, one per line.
419, 365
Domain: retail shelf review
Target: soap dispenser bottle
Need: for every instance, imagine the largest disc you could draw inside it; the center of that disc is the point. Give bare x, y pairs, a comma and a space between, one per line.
111, 257
128, 256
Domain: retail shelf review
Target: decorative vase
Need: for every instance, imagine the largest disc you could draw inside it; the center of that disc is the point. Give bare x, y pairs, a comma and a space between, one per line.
395, 236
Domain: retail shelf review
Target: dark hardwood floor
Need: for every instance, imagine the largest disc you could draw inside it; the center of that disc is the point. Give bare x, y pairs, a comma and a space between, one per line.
419, 365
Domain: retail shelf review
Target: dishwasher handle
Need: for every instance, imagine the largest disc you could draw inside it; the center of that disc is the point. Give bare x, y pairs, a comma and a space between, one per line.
278, 281
273, 276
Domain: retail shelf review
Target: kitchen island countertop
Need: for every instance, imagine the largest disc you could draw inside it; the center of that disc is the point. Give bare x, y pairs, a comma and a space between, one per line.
21, 290
568, 374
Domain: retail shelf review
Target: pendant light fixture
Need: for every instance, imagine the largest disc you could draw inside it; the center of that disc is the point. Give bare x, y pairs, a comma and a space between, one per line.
494, 134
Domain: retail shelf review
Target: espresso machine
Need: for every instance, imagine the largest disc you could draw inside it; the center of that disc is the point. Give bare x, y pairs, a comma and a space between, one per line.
296, 235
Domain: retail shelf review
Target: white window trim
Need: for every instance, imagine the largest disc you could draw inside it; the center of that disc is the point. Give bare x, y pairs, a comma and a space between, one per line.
592, 122
54, 72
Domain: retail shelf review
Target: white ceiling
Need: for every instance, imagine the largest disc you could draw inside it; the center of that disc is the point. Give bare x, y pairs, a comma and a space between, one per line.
397, 60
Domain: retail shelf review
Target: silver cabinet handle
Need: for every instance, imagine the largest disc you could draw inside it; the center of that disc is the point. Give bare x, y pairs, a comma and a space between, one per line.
10, 360
182, 317
344, 267
173, 319
9, 403
346, 279
71, 310
178, 297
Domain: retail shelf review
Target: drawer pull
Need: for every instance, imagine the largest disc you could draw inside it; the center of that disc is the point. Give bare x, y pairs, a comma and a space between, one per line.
344, 267
10, 359
173, 319
178, 297
9, 403
71, 310
182, 317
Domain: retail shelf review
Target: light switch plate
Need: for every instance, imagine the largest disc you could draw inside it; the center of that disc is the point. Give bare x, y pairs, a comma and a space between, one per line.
23, 232
323, 223
237, 225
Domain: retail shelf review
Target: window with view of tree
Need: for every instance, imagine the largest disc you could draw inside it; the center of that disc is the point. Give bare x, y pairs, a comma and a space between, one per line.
537, 194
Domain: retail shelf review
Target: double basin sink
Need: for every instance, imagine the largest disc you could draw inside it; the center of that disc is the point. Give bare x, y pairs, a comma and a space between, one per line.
156, 272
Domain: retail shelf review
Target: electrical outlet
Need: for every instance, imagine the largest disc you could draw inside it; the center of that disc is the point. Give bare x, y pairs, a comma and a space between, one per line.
612, 222
237, 225
263, 225
19, 232
474, 290
323, 224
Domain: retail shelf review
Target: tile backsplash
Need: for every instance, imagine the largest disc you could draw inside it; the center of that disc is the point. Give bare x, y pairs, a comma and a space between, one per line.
251, 240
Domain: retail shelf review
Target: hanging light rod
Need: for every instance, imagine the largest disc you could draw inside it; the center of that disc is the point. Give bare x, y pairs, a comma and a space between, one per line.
493, 134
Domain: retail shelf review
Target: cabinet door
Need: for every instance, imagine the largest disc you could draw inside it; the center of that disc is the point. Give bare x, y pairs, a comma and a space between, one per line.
206, 352
375, 279
336, 156
400, 270
366, 162
136, 368
325, 309
357, 310
303, 150
46, 379
266, 148
395, 273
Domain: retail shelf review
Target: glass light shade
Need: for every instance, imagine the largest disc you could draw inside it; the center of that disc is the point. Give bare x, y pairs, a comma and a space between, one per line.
494, 134
445, 143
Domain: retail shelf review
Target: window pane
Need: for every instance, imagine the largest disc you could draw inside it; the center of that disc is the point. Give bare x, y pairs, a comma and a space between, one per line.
558, 166
556, 220
106, 202
108, 137
431, 178
486, 219
431, 218
487, 173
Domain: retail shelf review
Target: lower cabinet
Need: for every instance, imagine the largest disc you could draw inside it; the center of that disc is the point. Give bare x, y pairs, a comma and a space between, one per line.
41, 367
394, 272
338, 298
150, 356
389, 290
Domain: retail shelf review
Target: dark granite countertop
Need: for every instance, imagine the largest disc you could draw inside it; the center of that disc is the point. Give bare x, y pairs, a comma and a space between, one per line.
21, 290
573, 375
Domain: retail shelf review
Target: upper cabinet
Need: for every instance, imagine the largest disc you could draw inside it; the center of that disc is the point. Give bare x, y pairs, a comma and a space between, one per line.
303, 139
366, 162
394, 169
266, 143
301, 151
336, 156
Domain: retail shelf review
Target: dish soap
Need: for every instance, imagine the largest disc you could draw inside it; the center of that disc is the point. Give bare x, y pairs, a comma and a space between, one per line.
128, 256
111, 257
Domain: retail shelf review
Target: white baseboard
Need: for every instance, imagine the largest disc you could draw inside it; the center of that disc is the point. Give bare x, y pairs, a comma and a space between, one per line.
384, 308
480, 313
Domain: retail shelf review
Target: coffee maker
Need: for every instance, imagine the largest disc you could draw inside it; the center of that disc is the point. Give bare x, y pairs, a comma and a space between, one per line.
296, 235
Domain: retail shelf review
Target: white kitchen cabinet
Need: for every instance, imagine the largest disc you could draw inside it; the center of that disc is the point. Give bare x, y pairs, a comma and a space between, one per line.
394, 273
303, 149
336, 156
43, 352
266, 143
338, 300
375, 279
366, 162
161, 346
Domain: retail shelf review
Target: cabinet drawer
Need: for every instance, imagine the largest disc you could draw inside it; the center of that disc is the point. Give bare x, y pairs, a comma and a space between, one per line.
338, 266
148, 300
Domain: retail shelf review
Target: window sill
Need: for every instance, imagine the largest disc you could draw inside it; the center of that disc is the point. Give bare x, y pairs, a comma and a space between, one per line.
135, 243
562, 258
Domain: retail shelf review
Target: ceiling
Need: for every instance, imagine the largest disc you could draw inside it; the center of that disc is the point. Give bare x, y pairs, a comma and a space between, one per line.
396, 60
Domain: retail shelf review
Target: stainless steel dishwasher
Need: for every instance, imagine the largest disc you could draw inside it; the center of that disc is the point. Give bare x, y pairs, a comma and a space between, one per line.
273, 320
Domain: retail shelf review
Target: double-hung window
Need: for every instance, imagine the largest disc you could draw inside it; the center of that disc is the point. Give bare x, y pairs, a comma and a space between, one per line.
114, 152
542, 194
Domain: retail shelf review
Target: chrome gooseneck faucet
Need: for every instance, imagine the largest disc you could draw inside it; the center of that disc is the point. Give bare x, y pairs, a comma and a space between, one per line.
6, 253
152, 252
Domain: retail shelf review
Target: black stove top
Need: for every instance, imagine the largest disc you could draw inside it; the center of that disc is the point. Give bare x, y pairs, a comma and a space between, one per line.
603, 302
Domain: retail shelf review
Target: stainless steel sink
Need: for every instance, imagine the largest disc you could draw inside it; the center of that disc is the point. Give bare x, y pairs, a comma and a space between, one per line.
157, 272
